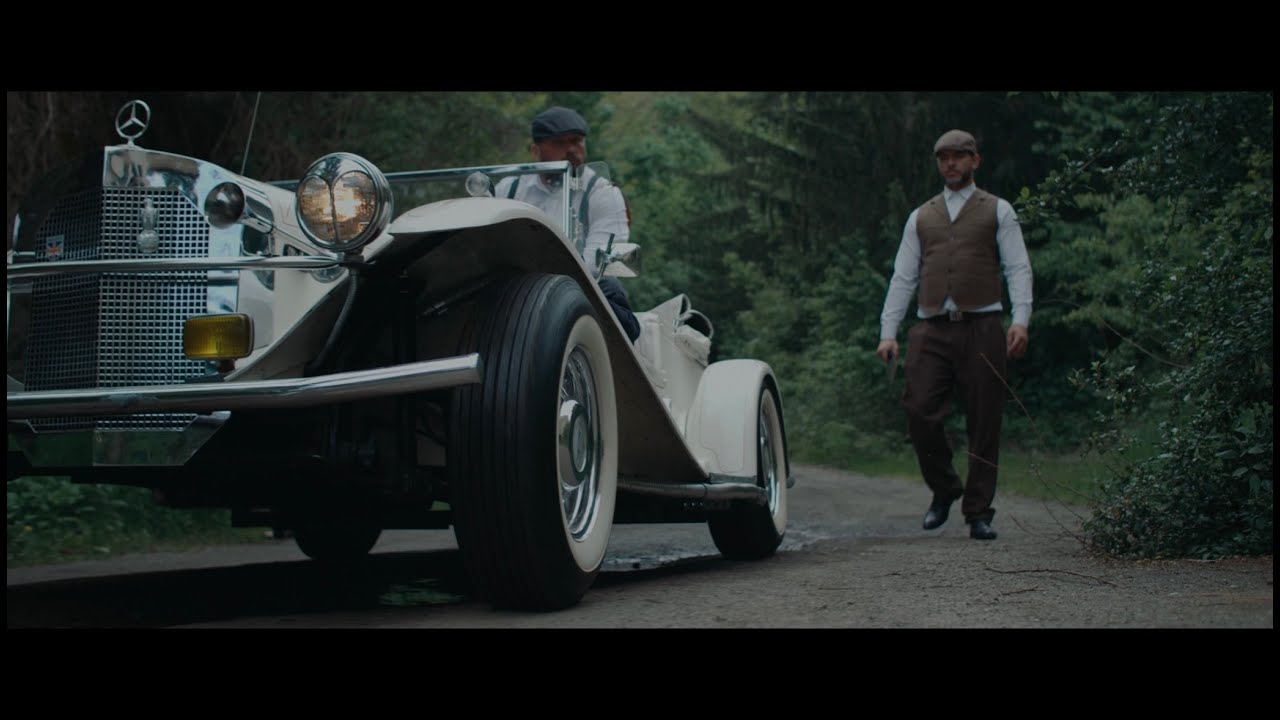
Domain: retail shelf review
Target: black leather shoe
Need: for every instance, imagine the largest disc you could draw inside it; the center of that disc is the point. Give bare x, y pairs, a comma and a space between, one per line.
981, 530
938, 511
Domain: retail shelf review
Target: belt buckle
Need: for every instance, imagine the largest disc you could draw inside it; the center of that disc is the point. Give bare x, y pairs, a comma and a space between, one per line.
955, 315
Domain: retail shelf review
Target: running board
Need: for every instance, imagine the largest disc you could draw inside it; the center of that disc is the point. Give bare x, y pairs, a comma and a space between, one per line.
719, 488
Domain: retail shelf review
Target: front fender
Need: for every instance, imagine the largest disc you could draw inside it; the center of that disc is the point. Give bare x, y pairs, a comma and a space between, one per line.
722, 423
462, 213
454, 243
470, 239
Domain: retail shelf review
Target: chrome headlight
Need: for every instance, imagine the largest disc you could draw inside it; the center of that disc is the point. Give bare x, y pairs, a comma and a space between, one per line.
344, 201
227, 204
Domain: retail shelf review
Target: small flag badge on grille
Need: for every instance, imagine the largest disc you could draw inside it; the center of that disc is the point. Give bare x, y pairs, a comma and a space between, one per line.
53, 247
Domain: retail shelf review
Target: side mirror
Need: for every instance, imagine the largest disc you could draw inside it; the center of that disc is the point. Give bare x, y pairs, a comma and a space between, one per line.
479, 185
622, 260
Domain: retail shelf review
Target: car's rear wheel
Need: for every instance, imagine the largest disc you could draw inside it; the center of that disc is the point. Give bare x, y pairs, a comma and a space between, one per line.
748, 531
533, 448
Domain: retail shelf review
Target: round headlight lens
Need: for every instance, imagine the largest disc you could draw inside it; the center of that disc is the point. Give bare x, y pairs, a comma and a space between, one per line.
343, 202
315, 208
354, 204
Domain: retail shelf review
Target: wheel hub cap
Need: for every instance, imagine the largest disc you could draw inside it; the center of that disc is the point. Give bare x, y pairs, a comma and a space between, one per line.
578, 440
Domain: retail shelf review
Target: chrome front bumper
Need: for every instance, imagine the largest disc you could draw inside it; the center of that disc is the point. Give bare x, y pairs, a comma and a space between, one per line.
254, 395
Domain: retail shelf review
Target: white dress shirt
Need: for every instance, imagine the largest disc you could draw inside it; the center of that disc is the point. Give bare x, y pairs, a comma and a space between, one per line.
606, 214
906, 267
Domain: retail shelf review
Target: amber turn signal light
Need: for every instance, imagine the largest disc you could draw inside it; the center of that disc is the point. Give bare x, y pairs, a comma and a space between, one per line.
217, 337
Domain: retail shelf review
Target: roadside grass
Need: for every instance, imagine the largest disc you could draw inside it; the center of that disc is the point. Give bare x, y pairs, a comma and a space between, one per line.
54, 548
1072, 478
52, 520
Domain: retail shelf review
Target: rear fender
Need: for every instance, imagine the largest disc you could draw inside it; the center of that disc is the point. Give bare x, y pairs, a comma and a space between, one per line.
722, 425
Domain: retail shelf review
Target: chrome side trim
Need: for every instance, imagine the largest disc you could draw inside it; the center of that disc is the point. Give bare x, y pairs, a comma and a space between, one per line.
299, 262
722, 487
255, 395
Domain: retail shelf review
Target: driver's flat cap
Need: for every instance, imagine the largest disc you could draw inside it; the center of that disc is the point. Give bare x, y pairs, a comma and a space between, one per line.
957, 140
556, 121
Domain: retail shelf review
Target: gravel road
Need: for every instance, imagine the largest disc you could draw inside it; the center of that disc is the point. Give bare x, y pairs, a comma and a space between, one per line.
854, 557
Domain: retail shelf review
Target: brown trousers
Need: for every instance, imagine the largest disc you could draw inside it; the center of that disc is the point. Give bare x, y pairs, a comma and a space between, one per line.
942, 357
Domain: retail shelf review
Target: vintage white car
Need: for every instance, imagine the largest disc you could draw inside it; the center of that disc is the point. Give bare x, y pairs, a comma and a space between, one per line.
292, 353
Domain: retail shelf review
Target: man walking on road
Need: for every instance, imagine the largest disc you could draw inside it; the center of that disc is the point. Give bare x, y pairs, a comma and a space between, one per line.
953, 248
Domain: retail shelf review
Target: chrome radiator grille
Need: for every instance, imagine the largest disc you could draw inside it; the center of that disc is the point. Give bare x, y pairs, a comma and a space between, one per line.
116, 329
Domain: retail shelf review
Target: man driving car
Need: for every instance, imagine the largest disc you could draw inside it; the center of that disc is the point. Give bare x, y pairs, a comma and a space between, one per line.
559, 133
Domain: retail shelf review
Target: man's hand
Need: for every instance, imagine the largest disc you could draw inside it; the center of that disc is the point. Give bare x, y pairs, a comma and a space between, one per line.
888, 350
1018, 341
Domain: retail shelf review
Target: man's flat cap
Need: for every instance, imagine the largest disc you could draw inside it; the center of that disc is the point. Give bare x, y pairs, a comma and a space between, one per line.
957, 140
557, 121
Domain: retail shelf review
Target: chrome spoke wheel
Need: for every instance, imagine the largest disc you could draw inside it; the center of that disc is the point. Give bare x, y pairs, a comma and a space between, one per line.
769, 468
750, 530
579, 445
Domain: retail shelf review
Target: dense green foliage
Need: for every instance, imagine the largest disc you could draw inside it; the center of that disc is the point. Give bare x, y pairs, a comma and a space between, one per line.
52, 519
1148, 217
1199, 299
790, 244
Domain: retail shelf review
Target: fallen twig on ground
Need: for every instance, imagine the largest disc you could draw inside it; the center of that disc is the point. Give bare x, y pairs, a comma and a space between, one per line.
1052, 570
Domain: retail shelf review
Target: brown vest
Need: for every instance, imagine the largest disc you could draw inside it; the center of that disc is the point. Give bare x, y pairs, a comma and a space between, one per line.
959, 258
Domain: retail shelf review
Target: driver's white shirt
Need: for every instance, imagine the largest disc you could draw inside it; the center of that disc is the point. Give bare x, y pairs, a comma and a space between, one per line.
606, 215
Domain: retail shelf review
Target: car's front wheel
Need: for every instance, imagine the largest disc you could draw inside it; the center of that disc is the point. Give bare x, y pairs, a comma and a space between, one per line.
749, 531
533, 450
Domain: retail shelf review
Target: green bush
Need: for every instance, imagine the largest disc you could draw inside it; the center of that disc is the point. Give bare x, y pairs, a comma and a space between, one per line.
1205, 299
1208, 494
52, 519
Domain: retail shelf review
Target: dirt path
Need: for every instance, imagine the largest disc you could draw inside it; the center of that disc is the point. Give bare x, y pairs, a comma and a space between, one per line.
854, 557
